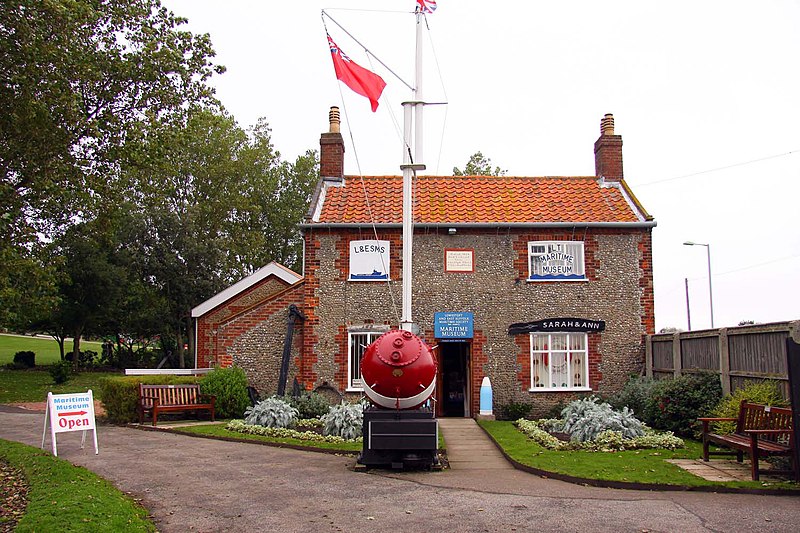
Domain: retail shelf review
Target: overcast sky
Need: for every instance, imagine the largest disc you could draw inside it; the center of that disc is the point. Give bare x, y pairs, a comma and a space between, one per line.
706, 96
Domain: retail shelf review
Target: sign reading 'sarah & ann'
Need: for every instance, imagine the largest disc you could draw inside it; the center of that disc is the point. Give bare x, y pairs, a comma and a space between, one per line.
577, 325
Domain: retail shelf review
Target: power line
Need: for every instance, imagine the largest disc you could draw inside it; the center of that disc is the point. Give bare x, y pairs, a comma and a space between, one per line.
743, 163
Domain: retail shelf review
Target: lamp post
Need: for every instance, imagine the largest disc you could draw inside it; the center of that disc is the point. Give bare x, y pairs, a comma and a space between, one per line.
710, 293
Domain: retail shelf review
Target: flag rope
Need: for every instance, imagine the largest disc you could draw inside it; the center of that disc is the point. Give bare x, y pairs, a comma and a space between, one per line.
366, 199
366, 50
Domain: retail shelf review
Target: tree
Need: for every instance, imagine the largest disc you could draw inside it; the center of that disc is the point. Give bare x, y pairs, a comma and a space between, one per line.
212, 203
78, 80
479, 165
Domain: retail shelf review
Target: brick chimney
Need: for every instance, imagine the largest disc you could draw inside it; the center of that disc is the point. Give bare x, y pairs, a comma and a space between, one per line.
331, 149
608, 151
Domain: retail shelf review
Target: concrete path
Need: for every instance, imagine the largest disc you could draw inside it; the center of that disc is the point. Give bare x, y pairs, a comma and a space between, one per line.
468, 447
192, 484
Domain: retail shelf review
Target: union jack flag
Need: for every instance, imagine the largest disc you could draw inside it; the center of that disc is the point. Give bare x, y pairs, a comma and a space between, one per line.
426, 6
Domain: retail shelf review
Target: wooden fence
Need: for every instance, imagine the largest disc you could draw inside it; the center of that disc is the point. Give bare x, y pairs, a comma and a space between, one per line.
739, 355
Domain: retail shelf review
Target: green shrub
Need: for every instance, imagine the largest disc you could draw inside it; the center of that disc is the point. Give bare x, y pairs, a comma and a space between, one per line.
25, 359
344, 420
60, 372
586, 419
271, 413
120, 395
634, 395
761, 392
515, 410
309, 404
229, 385
606, 441
676, 404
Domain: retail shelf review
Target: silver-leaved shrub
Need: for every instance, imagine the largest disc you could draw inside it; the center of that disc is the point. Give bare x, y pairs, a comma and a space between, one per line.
344, 420
586, 419
271, 413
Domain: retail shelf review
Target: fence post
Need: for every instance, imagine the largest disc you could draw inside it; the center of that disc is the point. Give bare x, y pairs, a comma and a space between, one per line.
724, 361
648, 356
676, 354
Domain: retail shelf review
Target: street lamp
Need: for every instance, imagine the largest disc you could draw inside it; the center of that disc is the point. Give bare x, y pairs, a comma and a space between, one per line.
710, 293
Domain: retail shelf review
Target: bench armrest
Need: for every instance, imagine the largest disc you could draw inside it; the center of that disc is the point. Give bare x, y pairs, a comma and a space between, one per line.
210, 397
707, 420
767, 431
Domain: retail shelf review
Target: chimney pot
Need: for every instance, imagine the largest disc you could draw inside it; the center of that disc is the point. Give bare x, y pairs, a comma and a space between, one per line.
607, 125
335, 121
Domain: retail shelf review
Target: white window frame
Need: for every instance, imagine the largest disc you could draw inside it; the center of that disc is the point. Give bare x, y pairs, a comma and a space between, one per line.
544, 383
573, 248
355, 341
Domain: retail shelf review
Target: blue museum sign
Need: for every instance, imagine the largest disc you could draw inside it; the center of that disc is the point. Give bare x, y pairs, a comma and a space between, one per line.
452, 325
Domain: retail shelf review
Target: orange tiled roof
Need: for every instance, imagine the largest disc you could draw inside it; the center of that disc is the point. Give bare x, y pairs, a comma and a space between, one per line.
478, 199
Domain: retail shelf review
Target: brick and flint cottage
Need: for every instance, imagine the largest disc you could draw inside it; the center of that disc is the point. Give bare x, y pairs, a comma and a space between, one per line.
543, 284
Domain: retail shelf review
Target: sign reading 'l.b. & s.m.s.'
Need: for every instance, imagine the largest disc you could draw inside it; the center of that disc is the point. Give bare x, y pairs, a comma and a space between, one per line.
569, 325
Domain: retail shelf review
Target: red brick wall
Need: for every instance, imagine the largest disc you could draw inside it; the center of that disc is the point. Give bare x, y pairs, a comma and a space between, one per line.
218, 338
646, 282
608, 157
331, 156
209, 324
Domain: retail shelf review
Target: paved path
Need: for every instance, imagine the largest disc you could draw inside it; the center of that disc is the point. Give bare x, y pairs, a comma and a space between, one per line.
192, 484
468, 447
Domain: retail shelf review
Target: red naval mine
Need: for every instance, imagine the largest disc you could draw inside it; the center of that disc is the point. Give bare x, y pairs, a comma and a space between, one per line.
398, 371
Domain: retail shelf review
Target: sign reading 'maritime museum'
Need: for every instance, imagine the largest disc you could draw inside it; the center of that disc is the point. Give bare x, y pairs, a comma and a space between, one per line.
569, 325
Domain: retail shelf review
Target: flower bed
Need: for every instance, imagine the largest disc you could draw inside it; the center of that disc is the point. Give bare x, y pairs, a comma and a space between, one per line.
607, 441
285, 433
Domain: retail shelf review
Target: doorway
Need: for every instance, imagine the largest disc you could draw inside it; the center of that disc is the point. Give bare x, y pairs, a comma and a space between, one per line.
455, 389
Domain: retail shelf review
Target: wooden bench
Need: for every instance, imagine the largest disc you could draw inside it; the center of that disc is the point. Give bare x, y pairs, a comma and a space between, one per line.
761, 431
170, 398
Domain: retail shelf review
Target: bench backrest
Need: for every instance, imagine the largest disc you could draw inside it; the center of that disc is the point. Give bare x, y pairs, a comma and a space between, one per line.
169, 394
756, 416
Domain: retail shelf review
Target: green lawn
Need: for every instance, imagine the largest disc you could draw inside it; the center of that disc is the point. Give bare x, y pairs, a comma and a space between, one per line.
33, 385
63, 497
46, 349
634, 466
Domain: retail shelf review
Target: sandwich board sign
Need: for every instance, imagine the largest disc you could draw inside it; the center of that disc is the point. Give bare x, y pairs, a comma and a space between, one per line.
70, 412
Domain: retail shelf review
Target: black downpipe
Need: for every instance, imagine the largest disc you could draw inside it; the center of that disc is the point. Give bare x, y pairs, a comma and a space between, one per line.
294, 314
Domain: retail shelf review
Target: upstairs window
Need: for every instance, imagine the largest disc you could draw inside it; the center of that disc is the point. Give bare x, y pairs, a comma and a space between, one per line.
556, 261
559, 362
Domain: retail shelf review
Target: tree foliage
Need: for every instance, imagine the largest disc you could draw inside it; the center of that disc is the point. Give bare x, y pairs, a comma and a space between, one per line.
128, 194
479, 165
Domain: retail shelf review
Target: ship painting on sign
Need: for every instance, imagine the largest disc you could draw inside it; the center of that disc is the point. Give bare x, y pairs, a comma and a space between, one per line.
375, 275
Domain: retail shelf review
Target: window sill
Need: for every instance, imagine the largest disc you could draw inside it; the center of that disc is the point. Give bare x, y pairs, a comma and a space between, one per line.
529, 280
561, 389
351, 389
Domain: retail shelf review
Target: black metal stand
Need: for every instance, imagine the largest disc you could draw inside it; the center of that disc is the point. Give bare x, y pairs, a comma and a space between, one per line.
400, 439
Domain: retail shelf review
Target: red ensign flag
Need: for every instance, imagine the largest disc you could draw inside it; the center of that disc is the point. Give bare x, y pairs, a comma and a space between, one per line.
359, 79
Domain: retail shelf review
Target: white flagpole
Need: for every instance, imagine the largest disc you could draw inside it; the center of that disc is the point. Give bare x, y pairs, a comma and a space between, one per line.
409, 168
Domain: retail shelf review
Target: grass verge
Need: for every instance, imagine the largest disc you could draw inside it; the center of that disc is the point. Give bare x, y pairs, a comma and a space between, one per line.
219, 431
64, 497
17, 386
633, 466
46, 349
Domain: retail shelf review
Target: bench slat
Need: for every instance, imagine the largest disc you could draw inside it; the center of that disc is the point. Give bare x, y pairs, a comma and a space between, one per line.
170, 398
